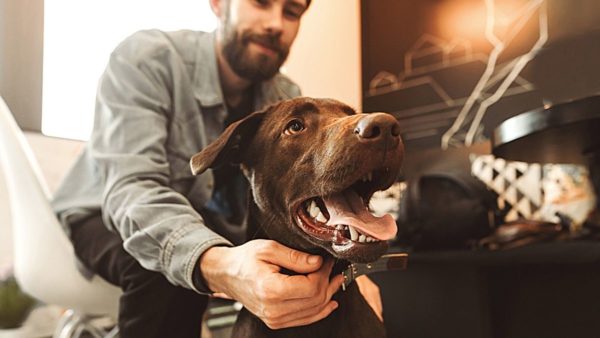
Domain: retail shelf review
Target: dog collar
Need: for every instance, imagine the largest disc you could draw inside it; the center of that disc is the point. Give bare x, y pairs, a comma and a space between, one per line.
389, 262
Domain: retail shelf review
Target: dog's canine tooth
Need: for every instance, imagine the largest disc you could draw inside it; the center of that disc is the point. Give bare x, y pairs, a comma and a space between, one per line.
353, 233
320, 217
313, 209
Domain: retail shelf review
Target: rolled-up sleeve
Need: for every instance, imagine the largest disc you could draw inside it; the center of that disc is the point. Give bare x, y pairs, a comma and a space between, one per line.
159, 226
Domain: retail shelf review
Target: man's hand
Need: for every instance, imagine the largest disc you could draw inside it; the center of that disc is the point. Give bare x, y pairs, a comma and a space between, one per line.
370, 291
250, 274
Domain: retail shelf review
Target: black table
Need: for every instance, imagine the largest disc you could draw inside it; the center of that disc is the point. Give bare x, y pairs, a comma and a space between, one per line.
547, 290
562, 133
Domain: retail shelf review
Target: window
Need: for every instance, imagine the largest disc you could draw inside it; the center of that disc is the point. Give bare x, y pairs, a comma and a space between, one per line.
78, 39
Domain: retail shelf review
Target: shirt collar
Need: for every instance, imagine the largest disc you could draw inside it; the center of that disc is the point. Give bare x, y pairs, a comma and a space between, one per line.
207, 74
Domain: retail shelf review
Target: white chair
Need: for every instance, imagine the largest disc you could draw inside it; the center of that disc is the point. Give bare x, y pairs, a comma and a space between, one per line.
44, 261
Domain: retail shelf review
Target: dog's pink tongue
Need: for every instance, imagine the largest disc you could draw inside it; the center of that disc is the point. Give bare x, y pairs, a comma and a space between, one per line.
348, 208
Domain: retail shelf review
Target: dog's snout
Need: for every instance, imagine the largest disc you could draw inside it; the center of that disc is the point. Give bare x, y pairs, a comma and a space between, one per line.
377, 126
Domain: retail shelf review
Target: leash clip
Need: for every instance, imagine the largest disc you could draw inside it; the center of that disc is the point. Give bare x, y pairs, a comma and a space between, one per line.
389, 262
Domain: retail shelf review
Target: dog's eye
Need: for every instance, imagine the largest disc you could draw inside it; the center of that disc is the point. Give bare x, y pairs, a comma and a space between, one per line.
294, 127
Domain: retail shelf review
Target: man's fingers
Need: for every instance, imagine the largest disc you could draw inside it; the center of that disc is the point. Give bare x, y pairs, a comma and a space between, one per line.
281, 300
301, 308
335, 284
326, 311
303, 286
325, 269
280, 255
297, 308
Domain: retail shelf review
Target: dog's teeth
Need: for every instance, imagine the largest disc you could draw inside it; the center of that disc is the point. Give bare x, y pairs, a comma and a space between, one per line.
313, 209
320, 217
362, 238
339, 227
353, 233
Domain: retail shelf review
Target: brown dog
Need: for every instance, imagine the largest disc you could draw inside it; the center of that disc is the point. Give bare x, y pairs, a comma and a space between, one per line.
313, 165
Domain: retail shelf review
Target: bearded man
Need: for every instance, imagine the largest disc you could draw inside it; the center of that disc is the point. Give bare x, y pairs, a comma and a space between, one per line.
138, 217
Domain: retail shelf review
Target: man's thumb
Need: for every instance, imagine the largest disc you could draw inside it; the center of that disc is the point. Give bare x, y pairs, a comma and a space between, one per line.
294, 260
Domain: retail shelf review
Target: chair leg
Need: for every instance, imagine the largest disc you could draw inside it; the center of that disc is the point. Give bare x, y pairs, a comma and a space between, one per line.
73, 325
93, 330
79, 330
114, 333
68, 330
65, 324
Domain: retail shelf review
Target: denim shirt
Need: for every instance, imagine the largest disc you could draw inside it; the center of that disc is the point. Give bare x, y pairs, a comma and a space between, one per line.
158, 103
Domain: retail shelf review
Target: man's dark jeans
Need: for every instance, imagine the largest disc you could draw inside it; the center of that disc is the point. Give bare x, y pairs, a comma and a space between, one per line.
150, 306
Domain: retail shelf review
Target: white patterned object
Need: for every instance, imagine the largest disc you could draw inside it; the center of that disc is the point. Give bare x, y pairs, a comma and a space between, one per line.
535, 191
518, 185
567, 190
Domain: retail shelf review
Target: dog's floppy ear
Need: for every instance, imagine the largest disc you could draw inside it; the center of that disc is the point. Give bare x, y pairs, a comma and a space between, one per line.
227, 148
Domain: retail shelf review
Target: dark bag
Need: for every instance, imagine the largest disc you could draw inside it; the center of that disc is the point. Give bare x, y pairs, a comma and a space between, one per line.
445, 210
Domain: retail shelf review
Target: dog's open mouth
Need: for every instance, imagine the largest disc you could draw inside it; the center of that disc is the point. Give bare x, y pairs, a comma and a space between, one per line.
344, 219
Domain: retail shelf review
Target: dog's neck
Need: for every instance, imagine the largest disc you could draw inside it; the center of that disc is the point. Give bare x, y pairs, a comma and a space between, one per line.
255, 223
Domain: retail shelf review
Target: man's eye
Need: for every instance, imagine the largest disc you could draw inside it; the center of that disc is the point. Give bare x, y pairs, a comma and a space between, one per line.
293, 14
262, 2
294, 127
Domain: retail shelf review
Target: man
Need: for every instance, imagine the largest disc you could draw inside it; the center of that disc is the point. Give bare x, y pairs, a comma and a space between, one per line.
137, 216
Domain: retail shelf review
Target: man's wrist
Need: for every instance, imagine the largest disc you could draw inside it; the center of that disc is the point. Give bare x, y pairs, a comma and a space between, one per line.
211, 268
198, 281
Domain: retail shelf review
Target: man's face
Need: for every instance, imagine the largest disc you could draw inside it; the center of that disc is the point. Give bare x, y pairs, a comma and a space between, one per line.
256, 35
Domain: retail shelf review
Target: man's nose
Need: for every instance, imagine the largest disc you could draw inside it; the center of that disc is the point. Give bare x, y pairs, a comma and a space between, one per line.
273, 21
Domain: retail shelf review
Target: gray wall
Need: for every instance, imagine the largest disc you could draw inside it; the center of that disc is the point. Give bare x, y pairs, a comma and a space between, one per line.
21, 50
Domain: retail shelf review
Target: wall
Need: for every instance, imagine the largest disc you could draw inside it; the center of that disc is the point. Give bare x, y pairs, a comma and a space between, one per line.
325, 59
21, 44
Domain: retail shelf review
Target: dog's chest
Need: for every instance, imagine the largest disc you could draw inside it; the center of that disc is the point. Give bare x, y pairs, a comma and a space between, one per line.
354, 318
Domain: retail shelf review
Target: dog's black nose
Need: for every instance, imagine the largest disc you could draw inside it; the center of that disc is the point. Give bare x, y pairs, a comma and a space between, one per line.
377, 126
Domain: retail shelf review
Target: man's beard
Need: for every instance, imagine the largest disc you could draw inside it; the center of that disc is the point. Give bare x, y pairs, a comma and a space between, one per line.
253, 67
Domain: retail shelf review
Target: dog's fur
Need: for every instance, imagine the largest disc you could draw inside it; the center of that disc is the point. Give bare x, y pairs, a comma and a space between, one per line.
286, 166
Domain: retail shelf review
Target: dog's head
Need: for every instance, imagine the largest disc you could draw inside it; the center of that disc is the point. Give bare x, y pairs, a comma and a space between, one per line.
313, 165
